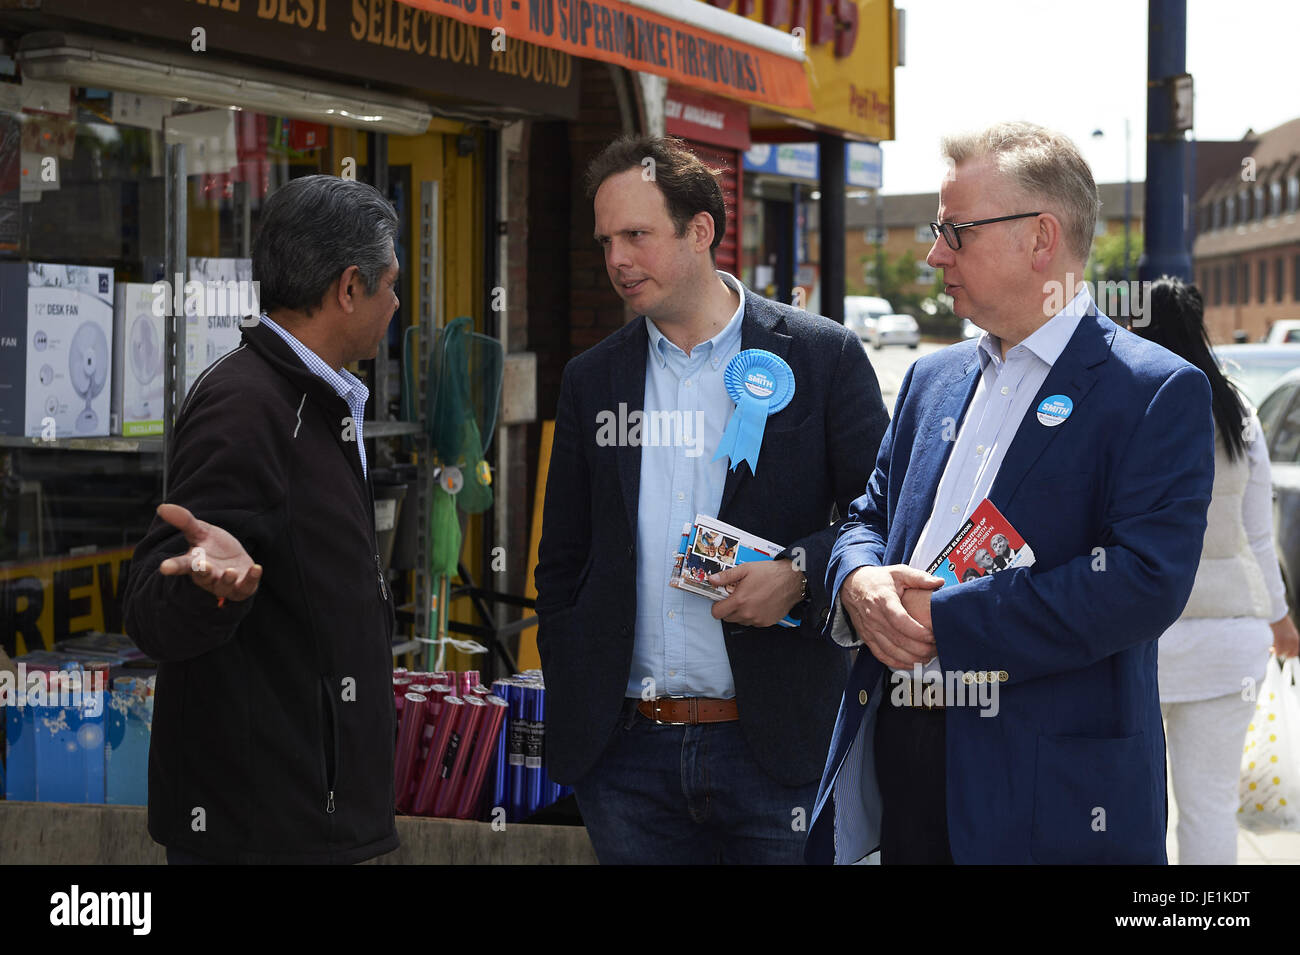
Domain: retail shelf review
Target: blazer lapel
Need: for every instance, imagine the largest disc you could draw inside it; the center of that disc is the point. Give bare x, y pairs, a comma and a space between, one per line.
939, 431
1073, 376
627, 386
758, 329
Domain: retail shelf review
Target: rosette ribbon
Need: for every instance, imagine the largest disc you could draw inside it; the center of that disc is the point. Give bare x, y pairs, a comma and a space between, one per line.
761, 384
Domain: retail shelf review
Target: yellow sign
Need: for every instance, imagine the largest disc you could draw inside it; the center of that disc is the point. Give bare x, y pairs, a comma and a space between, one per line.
851, 51
51, 600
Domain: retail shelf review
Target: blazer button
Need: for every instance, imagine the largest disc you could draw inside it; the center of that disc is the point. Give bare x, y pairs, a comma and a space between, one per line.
1003, 676
862, 697
968, 678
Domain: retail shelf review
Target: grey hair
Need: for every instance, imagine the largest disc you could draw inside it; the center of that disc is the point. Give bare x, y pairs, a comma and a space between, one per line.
312, 229
1044, 164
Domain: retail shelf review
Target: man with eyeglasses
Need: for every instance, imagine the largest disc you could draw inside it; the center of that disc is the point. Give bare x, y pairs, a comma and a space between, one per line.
1098, 449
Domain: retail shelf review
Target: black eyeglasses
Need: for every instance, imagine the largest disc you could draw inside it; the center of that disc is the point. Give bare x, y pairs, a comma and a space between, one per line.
951, 235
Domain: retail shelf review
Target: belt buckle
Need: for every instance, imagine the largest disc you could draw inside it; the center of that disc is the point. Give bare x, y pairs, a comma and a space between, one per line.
655, 709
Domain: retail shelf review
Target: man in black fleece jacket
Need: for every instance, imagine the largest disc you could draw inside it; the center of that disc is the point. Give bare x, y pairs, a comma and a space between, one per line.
258, 587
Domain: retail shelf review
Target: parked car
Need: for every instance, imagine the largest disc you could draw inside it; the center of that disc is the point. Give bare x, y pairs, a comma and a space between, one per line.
1255, 369
1285, 331
862, 311
1279, 416
894, 330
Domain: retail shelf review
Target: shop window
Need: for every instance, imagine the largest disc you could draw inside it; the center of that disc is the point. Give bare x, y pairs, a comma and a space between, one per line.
1295, 279
1218, 285
83, 222
1278, 271
1245, 283
1263, 275
1232, 283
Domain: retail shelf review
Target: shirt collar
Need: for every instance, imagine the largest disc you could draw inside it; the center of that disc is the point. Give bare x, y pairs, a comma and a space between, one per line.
346, 384
1049, 339
718, 345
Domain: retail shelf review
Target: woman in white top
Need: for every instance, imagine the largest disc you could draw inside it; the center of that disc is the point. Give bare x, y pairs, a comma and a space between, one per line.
1215, 654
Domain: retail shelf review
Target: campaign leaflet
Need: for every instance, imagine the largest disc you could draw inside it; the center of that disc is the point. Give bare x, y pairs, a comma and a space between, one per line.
986, 544
710, 546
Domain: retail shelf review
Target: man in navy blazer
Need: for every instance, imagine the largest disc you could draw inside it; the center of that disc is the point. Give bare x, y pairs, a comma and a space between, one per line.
692, 731
1046, 744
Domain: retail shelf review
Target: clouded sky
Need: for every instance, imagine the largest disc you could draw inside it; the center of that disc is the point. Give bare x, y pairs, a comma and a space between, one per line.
1079, 67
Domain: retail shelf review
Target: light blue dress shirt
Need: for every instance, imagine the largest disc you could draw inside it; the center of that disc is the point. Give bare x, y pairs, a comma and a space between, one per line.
678, 643
1003, 395
348, 386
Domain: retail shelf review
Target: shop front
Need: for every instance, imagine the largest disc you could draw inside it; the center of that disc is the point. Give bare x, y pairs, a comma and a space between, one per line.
135, 162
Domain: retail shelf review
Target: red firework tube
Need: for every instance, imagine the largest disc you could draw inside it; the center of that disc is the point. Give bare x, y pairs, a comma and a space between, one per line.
482, 690
432, 773
408, 745
436, 696
446, 678
485, 751
466, 683
453, 764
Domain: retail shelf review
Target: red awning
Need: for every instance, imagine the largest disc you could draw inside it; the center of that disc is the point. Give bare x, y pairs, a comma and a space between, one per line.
632, 36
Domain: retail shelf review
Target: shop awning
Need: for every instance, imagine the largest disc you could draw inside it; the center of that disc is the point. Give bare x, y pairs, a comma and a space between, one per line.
691, 43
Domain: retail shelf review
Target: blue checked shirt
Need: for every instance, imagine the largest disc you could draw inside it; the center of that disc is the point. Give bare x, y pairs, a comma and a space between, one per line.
349, 387
678, 644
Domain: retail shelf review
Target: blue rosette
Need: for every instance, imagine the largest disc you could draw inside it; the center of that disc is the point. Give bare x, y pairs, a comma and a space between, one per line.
761, 384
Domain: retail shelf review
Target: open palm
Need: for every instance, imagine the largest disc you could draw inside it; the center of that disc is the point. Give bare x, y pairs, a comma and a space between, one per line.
216, 561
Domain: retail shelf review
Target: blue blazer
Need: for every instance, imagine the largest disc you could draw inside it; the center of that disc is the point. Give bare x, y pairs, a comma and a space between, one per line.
1113, 501
817, 455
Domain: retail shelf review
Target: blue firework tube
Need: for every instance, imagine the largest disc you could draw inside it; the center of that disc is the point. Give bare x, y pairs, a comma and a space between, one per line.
517, 733
501, 760
534, 775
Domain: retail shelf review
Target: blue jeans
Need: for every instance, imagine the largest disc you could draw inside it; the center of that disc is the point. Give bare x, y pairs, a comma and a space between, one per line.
689, 795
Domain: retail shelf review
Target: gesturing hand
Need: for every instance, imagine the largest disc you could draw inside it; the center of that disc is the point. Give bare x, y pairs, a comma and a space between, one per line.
873, 597
216, 561
762, 592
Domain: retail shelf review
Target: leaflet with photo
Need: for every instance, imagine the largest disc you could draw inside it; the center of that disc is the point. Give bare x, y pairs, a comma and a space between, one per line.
710, 546
986, 544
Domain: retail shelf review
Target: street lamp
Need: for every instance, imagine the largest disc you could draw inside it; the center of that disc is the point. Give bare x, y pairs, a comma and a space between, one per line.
1128, 190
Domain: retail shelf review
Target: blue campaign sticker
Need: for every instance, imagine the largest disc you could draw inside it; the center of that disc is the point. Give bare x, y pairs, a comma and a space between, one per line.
1054, 409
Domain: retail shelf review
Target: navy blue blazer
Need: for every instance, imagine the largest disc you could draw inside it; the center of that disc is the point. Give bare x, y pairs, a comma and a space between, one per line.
1113, 502
816, 457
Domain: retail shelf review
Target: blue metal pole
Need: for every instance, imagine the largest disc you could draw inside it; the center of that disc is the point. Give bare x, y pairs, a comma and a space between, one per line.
1165, 251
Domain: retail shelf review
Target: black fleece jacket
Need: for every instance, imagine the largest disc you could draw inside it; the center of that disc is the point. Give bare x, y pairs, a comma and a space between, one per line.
273, 719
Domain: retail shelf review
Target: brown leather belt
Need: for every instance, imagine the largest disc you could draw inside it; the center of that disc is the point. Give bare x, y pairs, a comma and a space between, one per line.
688, 710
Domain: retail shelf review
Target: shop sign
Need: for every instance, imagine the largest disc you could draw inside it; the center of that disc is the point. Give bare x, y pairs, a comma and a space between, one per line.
862, 162
706, 119
51, 600
850, 49
641, 40
387, 41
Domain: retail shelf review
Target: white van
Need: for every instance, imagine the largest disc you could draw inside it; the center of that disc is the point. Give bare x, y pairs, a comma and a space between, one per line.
862, 311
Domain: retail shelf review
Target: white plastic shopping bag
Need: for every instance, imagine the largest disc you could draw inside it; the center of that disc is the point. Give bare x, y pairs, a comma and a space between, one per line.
1270, 764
